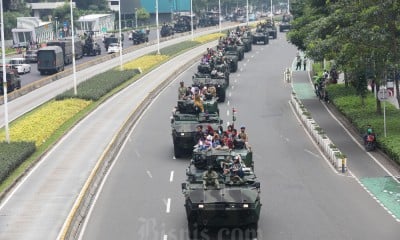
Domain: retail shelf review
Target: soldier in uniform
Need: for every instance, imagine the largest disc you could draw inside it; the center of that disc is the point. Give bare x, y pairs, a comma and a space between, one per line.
210, 177
182, 91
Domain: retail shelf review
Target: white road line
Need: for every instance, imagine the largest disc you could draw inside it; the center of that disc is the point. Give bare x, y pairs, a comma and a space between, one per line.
168, 205
171, 177
314, 154
227, 112
149, 174
230, 94
165, 237
227, 103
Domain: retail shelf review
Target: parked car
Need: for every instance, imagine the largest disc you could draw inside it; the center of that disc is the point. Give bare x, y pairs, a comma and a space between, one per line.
20, 65
31, 56
113, 48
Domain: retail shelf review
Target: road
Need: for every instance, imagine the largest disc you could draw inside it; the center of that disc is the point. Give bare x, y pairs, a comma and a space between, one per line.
38, 205
303, 196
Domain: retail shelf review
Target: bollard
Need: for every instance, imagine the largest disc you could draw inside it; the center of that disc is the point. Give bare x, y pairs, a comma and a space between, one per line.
343, 165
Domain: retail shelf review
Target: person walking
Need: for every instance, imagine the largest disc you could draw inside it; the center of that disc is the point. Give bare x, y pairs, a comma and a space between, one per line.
304, 63
298, 64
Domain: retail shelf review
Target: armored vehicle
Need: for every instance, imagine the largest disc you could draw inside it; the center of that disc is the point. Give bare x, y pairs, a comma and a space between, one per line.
139, 37
270, 25
286, 22
183, 24
209, 19
91, 48
217, 64
166, 30
13, 80
221, 191
247, 40
218, 80
235, 50
185, 118
261, 35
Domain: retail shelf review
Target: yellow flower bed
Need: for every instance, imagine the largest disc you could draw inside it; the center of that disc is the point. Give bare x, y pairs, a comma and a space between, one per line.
40, 124
209, 37
145, 62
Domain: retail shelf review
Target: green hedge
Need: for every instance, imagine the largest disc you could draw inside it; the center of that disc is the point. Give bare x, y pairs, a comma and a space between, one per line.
99, 85
350, 105
12, 155
175, 49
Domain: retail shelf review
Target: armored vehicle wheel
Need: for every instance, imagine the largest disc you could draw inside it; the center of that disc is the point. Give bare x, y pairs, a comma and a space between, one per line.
221, 95
252, 231
234, 67
177, 151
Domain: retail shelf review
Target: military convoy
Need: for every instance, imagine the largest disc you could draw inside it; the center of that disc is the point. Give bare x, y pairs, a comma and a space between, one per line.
139, 37
13, 79
91, 47
221, 189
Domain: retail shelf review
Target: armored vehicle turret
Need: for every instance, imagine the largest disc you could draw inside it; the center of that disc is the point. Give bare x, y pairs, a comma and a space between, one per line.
221, 191
185, 119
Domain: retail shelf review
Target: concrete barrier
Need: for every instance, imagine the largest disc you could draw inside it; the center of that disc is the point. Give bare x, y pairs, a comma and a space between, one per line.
331, 152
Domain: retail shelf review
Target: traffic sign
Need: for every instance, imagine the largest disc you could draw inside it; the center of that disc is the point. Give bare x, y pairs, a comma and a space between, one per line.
103, 29
384, 94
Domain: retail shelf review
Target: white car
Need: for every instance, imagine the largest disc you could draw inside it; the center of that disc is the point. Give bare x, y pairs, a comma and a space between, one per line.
20, 65
113, 48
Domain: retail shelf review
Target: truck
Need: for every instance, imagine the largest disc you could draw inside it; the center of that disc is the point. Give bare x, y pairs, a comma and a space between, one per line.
78, 44
50, 60
66, 47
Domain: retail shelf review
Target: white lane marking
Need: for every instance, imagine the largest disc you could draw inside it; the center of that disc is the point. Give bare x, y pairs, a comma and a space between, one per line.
149, 174
227, 103
230, 94
314, 143
227, 112
314, 154
165, 237
171, 177
232, 87
235, 81
168, 205
137, 154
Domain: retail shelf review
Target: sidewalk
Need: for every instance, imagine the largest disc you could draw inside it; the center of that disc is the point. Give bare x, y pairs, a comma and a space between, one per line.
372, 170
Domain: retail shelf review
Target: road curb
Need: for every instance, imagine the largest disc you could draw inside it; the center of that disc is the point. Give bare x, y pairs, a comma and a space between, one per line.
330, 150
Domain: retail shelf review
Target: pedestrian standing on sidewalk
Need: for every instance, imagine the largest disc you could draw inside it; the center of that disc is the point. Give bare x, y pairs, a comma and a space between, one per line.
298, 65
305, 63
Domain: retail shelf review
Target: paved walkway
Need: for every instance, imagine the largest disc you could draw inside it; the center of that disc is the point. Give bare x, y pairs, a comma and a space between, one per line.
373, 176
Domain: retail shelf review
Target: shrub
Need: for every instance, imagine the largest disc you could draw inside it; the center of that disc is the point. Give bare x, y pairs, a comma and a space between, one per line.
12, 155
146, 62
37, 126
98, 86
177, 48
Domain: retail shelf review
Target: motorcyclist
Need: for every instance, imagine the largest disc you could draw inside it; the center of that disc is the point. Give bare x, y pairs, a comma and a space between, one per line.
369, 136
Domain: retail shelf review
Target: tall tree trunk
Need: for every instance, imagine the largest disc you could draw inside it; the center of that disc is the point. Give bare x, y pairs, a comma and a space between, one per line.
378, 102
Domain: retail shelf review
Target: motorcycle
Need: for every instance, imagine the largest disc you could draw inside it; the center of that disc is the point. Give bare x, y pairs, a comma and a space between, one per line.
370, 142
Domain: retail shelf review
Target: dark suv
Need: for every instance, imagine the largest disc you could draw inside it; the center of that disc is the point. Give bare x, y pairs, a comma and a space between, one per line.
31, 56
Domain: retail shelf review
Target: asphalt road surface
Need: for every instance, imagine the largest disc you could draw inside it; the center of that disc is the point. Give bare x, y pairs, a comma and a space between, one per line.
303, 196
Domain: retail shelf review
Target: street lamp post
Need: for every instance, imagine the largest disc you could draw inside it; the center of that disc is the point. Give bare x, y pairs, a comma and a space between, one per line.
3, 55
120, 36
219, 14
157, 30
191, 17
56, 18
73, 50
247, 12
136, 18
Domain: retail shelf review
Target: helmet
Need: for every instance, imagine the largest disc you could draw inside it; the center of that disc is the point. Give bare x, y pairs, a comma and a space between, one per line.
369, 131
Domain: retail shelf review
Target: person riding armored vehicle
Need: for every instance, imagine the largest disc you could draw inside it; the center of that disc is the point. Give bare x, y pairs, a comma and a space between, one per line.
261, 34
222, 192
91, 47
216, 79
186, 117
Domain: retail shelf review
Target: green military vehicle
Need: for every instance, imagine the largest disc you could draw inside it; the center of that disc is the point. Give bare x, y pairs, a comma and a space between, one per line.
218, 80
270, 25
216, 197
247, 40
286, 22
13, 80
185, 118
261, 35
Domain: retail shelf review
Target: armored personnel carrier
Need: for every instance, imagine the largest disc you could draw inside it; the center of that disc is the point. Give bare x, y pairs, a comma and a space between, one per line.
219, 81
270, 25
217, 196
286, 22
261, 35
185, 118
139, 37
